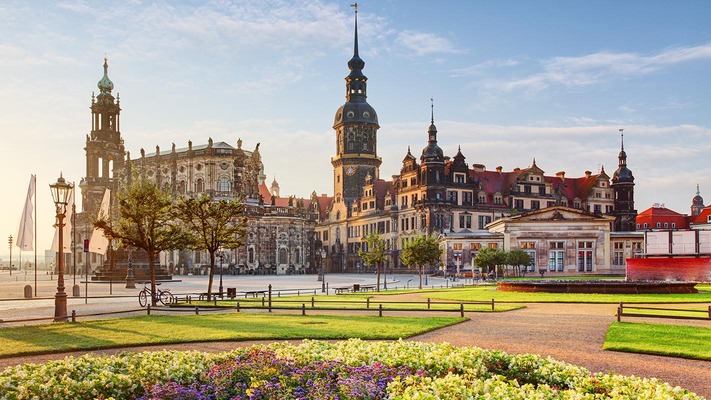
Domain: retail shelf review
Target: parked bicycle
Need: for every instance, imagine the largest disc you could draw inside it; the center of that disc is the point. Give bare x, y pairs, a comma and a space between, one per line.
163, 296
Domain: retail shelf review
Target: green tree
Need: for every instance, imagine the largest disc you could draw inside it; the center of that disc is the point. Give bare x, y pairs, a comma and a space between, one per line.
517, 258
212, 224
376, 254
145, 221
420, 251
488, 259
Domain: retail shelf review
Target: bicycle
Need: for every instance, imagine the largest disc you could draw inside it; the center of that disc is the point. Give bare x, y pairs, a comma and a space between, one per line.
164, 296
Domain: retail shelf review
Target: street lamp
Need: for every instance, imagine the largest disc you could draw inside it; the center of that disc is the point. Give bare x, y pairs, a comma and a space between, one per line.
60, 194
323, 273
221, 254
9, 241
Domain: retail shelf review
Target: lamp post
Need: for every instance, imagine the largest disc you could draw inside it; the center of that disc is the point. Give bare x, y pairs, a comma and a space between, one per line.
221, 254
60, 194
9, 241
323, 273
130, 275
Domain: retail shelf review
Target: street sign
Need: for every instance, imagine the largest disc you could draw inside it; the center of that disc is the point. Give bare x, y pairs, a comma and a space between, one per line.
86, 245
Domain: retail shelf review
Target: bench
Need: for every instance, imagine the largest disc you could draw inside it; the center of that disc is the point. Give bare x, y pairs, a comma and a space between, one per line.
342, 289
365, 288
254, 293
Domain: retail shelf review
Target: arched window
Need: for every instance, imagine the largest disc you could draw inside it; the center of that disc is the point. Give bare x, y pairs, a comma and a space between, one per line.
250, 255
296, 257
181, 187
199, 185
283, 259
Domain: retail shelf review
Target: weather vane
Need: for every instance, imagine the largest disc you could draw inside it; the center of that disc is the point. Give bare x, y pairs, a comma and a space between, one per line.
355, 5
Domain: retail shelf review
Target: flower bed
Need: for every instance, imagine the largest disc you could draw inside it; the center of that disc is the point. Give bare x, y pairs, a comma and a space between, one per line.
352, 369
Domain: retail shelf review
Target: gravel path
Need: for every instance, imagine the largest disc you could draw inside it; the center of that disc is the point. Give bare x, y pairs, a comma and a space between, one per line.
568, 332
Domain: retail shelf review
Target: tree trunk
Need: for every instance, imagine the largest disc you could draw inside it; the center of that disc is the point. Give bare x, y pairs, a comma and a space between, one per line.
377, 268
152, 268
212, 274
419, 269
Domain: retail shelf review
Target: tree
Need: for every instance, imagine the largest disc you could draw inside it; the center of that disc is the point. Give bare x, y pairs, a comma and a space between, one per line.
145, 221
376, 254
212, 225
489, 258
518, 258
420, 251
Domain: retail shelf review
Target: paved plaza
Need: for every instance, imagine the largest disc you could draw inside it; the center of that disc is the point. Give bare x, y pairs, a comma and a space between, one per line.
568, 332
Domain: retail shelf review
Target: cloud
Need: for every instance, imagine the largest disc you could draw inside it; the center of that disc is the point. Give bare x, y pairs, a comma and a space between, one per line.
484, 66
422, 43
594, 68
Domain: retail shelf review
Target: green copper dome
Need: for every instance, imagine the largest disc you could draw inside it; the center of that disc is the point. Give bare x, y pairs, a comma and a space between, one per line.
105, 85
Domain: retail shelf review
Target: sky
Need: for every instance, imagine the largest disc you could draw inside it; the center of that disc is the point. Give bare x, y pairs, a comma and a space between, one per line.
511, 81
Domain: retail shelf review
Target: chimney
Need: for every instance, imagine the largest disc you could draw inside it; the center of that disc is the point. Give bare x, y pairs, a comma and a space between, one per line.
499, 169
560, 174
323, 194
588, 174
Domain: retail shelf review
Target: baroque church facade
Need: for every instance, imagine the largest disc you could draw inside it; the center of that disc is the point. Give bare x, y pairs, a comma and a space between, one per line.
279, 230
567, 224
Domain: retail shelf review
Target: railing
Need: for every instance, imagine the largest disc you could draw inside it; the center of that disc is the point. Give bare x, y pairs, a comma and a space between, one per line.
271, 305
621, 313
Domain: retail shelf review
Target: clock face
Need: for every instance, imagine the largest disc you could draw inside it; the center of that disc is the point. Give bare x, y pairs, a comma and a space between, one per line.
350, 170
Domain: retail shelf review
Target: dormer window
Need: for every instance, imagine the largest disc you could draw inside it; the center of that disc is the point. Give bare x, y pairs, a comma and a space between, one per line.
459, 178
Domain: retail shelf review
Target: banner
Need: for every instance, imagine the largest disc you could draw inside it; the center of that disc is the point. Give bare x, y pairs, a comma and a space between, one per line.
67, 231
26, 233
99, 243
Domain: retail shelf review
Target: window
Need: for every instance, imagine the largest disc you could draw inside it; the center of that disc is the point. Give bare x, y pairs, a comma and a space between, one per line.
598, 209
459, 178
659, 225
518, 204
556, 256
673, 225
666, 225
475, 246
646, 225
638, 226
482, 199
465, 221
618, 257
527, 189
483, 220
497, 200
585, 256
541, 190
467, 198
199, 186
457, 246
223, 184
452, 197
492, 246
550, 203
250, 257
535, 204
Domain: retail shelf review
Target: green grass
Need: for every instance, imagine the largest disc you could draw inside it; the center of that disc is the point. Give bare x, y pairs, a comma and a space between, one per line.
486, 293
700, 312
160, 329
666, 340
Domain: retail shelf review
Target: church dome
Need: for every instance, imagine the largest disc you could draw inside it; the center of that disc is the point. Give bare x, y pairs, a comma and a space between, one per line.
352, 112
105, 84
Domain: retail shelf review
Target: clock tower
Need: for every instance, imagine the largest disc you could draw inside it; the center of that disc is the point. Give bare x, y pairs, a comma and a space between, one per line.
356, 126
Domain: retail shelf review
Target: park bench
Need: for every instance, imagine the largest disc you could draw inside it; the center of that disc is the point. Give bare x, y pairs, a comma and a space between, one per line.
342, 289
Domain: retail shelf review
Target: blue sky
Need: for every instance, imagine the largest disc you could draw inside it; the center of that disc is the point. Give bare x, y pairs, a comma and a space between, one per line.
511, 81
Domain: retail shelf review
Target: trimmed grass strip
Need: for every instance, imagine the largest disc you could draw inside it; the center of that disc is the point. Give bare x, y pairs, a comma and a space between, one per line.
159, 329
659, 339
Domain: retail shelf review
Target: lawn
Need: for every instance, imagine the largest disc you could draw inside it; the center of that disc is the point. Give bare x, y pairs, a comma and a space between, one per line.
144, 330
666, 340
486, 293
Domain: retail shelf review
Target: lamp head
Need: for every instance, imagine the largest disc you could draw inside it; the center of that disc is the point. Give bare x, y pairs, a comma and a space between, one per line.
61, 190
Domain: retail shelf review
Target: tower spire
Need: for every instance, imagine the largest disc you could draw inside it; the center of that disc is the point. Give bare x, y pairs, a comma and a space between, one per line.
355, 41
622, 138
432, 106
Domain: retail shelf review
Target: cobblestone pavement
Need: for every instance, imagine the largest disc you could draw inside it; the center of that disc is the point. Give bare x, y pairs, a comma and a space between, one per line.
568, 332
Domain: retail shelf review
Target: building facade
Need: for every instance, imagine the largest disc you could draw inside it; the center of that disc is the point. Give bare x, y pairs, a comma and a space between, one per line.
463, 204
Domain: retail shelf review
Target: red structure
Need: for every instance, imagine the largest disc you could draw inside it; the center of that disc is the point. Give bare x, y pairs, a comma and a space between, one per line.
660, 217
696, 269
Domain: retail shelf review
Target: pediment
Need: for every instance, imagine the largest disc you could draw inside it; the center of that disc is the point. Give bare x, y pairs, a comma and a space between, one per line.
559, 213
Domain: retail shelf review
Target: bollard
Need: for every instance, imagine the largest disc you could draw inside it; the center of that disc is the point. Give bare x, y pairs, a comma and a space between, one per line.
492, 304
461, 310
238, 306
367, 303
709, 311
215, 299
270, 297
428, 303
148, 309
190, 299
303, 308
312, 301
619, 313
197, 311
380, 310
74, 316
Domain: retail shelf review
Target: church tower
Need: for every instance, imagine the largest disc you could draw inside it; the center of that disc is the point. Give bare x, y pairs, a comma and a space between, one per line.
434, 210
104, 146
356, 126
623, 187
697, 203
